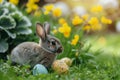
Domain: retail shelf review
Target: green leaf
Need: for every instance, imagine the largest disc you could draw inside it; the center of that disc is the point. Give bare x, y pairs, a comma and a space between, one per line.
3, 11
25, 31
9, 6
17, 16
7, 22
12, 35
22, 21
3, 46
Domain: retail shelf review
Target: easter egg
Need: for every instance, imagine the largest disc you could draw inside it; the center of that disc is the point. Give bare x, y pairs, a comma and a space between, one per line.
60, 66
68, 61
39, 69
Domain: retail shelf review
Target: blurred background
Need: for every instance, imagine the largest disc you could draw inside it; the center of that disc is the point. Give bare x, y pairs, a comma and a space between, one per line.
108, 38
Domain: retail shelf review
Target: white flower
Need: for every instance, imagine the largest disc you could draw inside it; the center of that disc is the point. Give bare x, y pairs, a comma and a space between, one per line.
118, 26
109, 3
64, 7
79, 10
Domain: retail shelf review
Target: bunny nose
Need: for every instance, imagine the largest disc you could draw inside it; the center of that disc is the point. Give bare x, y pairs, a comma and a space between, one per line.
60, 49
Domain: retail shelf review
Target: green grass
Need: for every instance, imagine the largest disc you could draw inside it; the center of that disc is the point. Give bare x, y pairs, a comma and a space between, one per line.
105, 68
109, 43
104, 65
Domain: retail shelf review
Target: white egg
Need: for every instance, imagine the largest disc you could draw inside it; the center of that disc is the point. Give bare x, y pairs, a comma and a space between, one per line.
39, 69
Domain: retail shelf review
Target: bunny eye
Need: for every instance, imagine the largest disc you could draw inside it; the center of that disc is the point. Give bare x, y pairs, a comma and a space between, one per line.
53, 43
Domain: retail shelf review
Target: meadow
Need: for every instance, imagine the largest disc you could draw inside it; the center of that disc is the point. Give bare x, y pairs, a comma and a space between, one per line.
94, 50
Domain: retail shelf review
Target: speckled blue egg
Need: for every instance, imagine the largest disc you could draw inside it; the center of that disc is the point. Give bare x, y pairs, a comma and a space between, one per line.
39, 69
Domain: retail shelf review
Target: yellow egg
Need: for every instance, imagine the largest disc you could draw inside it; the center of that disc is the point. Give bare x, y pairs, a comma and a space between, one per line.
67, 60
60, 66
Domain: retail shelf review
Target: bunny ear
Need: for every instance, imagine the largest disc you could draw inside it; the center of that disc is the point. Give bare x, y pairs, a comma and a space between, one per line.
47, 27
40, 31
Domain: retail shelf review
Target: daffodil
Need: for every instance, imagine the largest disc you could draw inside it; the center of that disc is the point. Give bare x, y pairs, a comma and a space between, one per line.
57, 12
29, 10
97, 9
62, 21
32, 6
66, 34
15, 2
37, 13
75, 40
65, 29
46, 12
49, 7
96, 27
33, 1
77, 20
85, 17
54, 31
105, 20
87, 28
93, 21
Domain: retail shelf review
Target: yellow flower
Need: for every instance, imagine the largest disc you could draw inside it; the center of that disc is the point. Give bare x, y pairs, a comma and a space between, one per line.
62, 21
28, 10
1, 1
35, 6
36, 0
54, 31
31, 6
65, 29
105, 20
87, 28
96, 27
85, 17
97, 9
76, 20
66, 34
75, 40
33, 1
37, 13
15, 2
57, 12
61, 29
93, 21
76, 37
49, 7
46, 12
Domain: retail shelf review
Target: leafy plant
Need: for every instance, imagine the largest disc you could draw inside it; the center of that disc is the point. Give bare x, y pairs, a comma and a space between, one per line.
12, 25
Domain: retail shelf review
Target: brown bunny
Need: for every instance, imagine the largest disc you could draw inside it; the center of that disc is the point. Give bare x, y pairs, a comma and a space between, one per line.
33, 53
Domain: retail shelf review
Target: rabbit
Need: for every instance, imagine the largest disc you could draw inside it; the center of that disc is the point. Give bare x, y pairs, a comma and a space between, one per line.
32, 53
